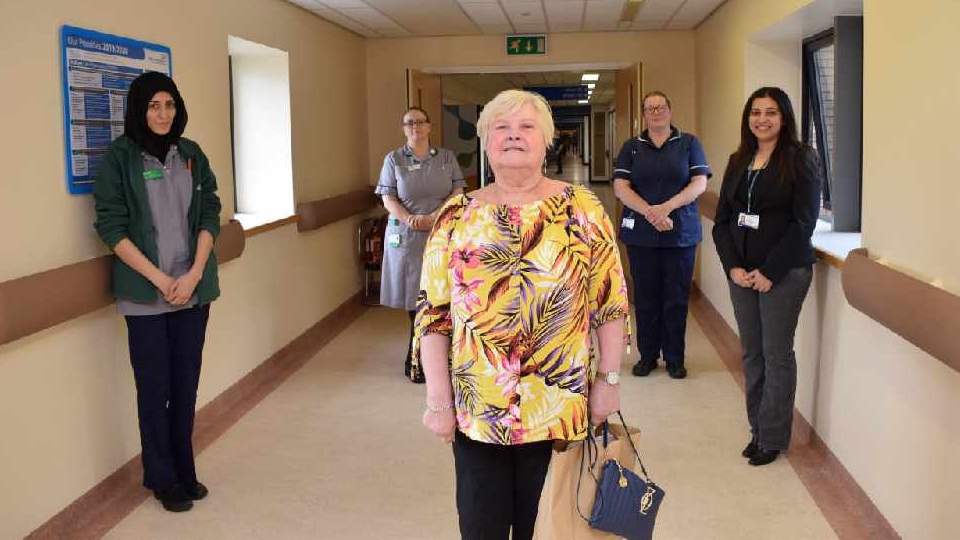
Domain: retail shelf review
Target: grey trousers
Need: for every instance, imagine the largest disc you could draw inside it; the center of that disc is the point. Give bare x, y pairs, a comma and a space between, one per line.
767, 324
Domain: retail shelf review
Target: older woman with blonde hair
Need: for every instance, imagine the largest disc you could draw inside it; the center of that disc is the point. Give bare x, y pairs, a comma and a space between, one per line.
515, 276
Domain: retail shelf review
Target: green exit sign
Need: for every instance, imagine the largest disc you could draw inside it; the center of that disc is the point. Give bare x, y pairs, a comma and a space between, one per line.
526, 45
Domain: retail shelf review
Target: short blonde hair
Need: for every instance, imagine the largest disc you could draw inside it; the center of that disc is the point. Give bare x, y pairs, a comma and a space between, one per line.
509, 102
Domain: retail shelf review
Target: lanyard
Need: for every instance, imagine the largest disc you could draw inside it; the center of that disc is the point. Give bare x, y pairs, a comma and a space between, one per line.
751, 180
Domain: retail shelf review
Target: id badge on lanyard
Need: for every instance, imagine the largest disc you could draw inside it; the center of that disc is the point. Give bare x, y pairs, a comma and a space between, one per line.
748, 219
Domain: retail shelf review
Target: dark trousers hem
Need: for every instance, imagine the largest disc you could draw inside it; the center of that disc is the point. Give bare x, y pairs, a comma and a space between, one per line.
166, 356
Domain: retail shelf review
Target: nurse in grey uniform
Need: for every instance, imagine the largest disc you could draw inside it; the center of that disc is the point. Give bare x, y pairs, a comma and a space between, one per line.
415, 181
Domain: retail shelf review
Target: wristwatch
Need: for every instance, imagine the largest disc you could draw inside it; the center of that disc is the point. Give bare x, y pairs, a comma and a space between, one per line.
610, 377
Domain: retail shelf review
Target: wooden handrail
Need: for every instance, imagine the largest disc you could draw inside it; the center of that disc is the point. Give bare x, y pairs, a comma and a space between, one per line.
315, 214
707, 204
39, 301
919, 312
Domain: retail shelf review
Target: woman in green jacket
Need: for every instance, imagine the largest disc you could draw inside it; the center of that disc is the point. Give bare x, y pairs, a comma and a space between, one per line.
158, 210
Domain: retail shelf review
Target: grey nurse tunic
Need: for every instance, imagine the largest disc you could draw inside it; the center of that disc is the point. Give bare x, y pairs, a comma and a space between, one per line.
421, 186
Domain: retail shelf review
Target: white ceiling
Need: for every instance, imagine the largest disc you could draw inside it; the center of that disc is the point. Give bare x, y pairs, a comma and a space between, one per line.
408, 18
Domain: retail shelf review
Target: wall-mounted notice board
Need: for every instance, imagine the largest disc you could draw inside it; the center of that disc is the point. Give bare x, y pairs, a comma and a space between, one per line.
97, 71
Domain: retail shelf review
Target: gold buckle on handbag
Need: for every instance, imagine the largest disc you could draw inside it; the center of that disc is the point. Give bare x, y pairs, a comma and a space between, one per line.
647, 500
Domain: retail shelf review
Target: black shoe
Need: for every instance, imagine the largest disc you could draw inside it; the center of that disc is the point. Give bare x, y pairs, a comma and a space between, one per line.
762, 457
751, 449
642, 369
197, 491
677, 372
174, 498
415, 375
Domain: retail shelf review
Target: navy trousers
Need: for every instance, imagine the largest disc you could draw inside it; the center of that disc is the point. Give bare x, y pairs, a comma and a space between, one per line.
166, 351
661, 294
498, 487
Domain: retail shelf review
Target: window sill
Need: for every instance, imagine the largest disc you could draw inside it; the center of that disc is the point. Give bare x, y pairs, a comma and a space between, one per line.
833, 247
254, 224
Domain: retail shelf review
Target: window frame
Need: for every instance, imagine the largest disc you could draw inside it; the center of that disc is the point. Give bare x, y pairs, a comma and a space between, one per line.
812, 108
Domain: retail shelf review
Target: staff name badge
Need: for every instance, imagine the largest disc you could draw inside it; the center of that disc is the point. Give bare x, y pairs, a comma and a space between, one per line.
628, 223
750, 221
414, 167
393, 239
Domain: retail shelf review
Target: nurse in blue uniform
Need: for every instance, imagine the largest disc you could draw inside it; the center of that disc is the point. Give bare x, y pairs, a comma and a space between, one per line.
658, 178
415, 181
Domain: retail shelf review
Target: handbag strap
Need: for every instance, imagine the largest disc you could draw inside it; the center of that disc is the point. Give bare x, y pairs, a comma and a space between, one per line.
630, 440
591, 453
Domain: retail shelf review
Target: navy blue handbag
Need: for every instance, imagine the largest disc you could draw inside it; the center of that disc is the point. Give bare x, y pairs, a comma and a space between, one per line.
625, 504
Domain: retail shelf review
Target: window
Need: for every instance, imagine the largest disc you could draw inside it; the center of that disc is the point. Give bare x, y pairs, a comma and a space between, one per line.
832, 119
818, 108
260, 132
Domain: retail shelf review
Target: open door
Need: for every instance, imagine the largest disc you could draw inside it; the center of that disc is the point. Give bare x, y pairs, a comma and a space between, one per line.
423, 90
601, 148
629, 91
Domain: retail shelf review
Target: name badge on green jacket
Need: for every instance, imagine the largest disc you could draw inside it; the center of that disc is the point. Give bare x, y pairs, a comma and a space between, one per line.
152, 174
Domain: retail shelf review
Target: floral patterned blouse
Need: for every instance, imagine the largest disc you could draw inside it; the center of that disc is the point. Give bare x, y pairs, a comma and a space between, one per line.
518, 289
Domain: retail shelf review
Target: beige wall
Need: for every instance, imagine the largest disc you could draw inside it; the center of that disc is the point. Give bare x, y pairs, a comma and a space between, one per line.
886, 409
67, 409
667, 57
909, 127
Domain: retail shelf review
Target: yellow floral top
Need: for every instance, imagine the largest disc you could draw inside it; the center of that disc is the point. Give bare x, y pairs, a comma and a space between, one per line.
518, 289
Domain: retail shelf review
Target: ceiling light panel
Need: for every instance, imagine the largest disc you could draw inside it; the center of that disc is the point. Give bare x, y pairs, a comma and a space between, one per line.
485, 14
369, 17
564, 12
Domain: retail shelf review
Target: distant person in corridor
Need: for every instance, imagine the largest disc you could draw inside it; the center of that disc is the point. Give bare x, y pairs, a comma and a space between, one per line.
515, 277
768, 208
158, 210
658, 177
414, 181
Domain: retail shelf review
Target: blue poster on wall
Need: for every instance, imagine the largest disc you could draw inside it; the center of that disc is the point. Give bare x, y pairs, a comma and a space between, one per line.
97, 71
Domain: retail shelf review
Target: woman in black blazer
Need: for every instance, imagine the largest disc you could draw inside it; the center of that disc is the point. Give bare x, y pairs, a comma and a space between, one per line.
768, 208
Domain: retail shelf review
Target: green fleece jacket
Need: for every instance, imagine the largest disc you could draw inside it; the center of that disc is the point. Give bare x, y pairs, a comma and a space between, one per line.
123, 211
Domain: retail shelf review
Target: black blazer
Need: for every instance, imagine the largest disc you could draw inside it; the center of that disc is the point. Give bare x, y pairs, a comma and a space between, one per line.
788, 210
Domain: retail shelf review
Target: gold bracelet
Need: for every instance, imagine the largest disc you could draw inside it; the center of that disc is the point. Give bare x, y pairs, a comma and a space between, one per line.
439, 408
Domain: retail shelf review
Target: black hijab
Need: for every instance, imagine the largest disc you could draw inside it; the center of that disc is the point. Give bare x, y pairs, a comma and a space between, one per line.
142, 90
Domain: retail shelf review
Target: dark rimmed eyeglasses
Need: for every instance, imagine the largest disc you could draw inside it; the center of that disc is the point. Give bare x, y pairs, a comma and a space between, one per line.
656, 109
411, 123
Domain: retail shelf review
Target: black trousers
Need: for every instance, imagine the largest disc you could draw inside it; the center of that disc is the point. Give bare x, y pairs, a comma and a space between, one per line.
661, 293
166, 351
498, 487
768, 323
